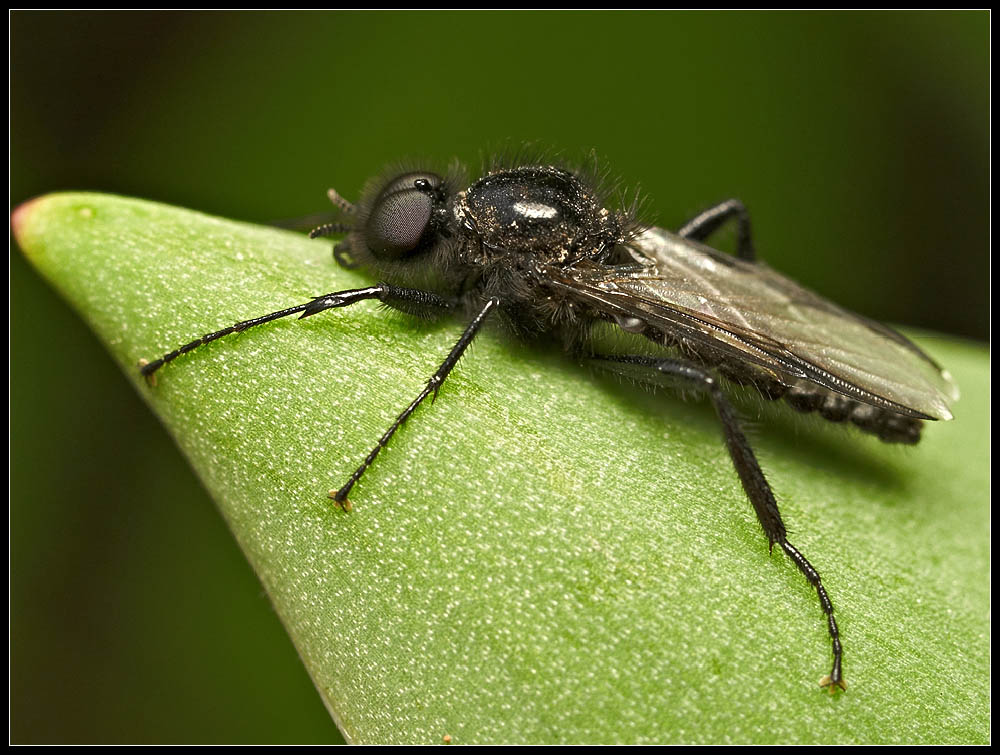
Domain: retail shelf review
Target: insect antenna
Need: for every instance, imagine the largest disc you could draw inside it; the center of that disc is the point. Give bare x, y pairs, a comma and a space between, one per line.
341, 250
329, 229
316, 221
339, 202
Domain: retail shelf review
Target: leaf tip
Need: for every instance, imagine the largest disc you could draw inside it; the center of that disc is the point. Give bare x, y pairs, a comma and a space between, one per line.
20, 219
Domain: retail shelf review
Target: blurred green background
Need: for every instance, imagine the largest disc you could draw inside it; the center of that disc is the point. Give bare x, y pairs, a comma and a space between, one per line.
859, 141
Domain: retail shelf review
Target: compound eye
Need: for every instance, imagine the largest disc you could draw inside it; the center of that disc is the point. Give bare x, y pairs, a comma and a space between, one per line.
416, 179
401, 215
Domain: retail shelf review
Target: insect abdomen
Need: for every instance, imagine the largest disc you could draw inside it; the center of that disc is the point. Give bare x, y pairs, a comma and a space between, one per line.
806, 397
887, 425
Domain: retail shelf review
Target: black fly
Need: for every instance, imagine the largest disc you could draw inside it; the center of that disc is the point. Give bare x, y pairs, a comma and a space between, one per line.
536, 248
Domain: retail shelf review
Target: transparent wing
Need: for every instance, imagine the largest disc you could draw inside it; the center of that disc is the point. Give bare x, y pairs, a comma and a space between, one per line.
748, 312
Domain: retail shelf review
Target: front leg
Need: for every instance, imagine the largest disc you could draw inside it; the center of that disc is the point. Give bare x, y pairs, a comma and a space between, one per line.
411, 300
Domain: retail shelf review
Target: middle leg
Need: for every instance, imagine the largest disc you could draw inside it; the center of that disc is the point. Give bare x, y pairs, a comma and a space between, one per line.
431, 389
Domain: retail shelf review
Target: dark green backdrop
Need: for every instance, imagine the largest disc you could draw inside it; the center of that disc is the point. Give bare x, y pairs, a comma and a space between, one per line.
859, 141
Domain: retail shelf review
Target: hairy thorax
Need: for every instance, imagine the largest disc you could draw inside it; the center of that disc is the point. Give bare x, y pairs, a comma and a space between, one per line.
535, 216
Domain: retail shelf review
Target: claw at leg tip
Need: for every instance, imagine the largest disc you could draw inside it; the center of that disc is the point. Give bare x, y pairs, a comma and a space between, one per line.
831, 685
151, 378
345, 504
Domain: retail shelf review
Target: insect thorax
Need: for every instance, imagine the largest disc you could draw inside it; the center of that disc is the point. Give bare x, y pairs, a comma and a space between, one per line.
535, 215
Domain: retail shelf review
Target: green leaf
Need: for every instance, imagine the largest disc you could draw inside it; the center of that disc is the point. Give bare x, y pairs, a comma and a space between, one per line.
543, 555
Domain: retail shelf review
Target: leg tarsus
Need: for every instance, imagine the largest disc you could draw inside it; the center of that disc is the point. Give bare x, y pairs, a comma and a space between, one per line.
835, 678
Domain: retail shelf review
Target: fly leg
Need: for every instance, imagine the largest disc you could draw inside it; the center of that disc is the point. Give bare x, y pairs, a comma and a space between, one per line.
410, 300
705, 223
432, 387
756, 486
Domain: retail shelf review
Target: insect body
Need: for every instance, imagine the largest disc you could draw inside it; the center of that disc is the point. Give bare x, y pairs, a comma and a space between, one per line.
535, 248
